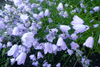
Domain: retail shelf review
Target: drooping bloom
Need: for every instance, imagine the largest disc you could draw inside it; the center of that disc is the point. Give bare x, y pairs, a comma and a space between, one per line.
24, 17
58, 65
21, 58
70, 52
47, 48
99, 39
74, 46
80, 28
47, 13
96, 8
2, 25
12, 60
89, 42
74, 36
39, 55
35, 63
77, 20
15, 31
9, 44
41, 14
60, 6
64, 28
61, 43
28, 39
13, 50
32, 57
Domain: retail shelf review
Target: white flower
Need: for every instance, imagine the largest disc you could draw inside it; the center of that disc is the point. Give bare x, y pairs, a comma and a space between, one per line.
60, 6
99, 39
39, 55
28, 39
61, 43
77, 20
13, 50
79, 28
74, 36
21, 58
74, 46
15, 31
47, 13
24, 17
89, 42
64, 28
96, 8
12, 60
70, 52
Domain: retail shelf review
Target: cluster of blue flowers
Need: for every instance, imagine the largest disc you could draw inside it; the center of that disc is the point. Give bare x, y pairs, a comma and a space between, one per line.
21, 20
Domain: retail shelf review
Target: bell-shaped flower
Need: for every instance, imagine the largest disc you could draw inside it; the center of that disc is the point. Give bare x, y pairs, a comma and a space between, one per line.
39, 55
74, 46
60, 7
21, 58
47, 48
80, 28
96, 8
47, 13
2, 25
58, 65
70, 52
9, 44
12, 60
61, 43
99, 39
32, 57
36, 16
77, 20
89, 42
24, 17
28, 39
15, 31
74, 36
64, 28
13, 50
41, 14
35, 63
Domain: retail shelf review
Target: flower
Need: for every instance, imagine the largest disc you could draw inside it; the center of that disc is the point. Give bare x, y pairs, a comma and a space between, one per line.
41, 14
79, 28
9, 44
47, 13
96, 8
64, 28
12, 60
32, 57
15, 31
77, 20
28, 39
35, 63
58, 65
21, 58
39, 55
2, 25
13, 50
70, 52
47, 48
60, 6
74, 46
24, 17
89, 42
74, 36
61, 43
99, 39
